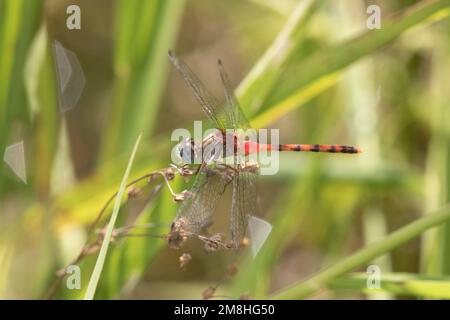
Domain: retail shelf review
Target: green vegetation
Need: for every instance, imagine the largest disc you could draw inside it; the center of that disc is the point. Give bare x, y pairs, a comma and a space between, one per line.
333, 215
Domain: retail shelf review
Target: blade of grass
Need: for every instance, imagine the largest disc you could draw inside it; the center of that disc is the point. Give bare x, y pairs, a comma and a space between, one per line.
6, 255
259, 81
145, 31
319, 71
10, 21
436, 245
359, 87
18, 23
283, 8
131, 258
92, 286
408, 284
254, 276
40, 86
393, 240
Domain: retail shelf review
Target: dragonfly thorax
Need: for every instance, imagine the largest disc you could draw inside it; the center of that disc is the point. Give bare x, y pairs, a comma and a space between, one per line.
212, 148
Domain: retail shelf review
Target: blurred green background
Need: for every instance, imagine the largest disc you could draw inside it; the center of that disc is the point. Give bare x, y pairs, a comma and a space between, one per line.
311, 68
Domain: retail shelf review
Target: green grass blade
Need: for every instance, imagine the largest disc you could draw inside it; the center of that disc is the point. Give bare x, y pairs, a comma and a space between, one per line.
10, 22
259, 81
18, 23
396, 283
319, 71
254, 275
40, 84
395, 239
145, 31
92, 286
131, 258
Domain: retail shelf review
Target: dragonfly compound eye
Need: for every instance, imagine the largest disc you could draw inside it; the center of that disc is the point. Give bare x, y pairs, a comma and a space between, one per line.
183, 152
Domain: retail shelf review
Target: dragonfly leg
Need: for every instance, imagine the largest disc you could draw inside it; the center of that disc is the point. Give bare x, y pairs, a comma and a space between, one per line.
250, 167
185, 170
226, 172
176, 196
212, 243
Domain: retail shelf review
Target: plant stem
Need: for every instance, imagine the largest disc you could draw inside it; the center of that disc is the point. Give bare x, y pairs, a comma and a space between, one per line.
395, 239
92, 286
409, 284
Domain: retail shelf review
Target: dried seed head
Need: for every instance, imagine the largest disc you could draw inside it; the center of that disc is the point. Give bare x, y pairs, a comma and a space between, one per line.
177, 235
93, 248
169, 173
231, 244
182, 195
213, 243
176, 240
245, 242
185, 258
102, 232
244, 296
134, 192
232, 270
209, 293
150, 179
60, 273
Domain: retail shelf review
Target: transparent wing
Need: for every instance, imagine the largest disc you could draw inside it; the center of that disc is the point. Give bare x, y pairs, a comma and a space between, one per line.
224, 116
233, 111
214, 111
199, 207
243, 204
259, 230
244, 184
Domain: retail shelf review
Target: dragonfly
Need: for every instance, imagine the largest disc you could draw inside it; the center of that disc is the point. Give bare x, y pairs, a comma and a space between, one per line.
214, 174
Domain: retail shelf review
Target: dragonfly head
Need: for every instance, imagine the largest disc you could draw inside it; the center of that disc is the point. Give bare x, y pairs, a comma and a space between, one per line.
186, 151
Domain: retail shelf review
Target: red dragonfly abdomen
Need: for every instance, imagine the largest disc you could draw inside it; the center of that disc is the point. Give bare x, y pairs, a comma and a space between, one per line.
251, 147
